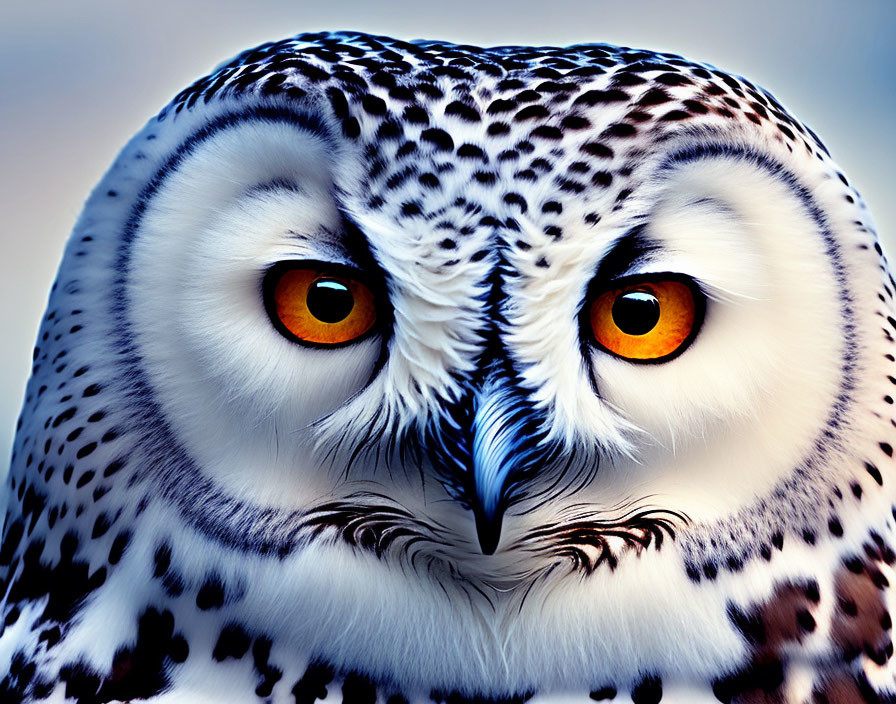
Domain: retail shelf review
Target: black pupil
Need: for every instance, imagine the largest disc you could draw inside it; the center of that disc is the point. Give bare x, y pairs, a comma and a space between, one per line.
330, 301
636, 312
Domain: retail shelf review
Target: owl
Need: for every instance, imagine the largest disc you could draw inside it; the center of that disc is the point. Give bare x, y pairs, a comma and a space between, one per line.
409, 372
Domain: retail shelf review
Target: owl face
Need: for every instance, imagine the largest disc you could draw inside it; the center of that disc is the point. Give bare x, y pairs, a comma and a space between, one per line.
506, 333
501, 332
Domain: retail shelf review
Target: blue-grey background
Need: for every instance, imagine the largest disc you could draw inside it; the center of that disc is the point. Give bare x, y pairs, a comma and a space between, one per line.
78, 78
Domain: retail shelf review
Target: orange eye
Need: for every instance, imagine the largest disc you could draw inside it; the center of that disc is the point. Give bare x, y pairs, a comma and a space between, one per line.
319, 304
647, 319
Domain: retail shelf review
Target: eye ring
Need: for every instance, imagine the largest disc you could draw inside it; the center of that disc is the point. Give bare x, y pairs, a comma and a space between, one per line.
321, 304
644, 318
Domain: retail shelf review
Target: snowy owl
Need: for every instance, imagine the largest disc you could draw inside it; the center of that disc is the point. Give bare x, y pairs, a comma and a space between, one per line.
394, 372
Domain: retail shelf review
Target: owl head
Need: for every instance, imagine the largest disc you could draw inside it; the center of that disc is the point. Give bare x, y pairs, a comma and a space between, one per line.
546, 365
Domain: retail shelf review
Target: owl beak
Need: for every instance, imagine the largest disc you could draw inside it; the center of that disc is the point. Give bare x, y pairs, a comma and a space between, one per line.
487, 447
495, 437
507, 449
488, 528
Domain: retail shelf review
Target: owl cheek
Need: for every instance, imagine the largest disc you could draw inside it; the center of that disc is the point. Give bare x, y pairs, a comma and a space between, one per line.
237, 394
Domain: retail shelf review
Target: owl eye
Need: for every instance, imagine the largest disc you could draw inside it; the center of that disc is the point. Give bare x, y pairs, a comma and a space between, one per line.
319, 304
647, 319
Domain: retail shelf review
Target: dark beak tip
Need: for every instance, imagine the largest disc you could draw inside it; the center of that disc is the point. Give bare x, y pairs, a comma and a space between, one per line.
488, 530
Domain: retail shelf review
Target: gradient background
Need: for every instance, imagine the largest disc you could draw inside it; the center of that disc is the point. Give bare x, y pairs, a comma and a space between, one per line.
77, 79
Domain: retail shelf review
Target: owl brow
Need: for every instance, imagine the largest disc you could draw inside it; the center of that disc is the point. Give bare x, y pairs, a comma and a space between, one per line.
630, 250
329, 245
345, 244
275, 185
